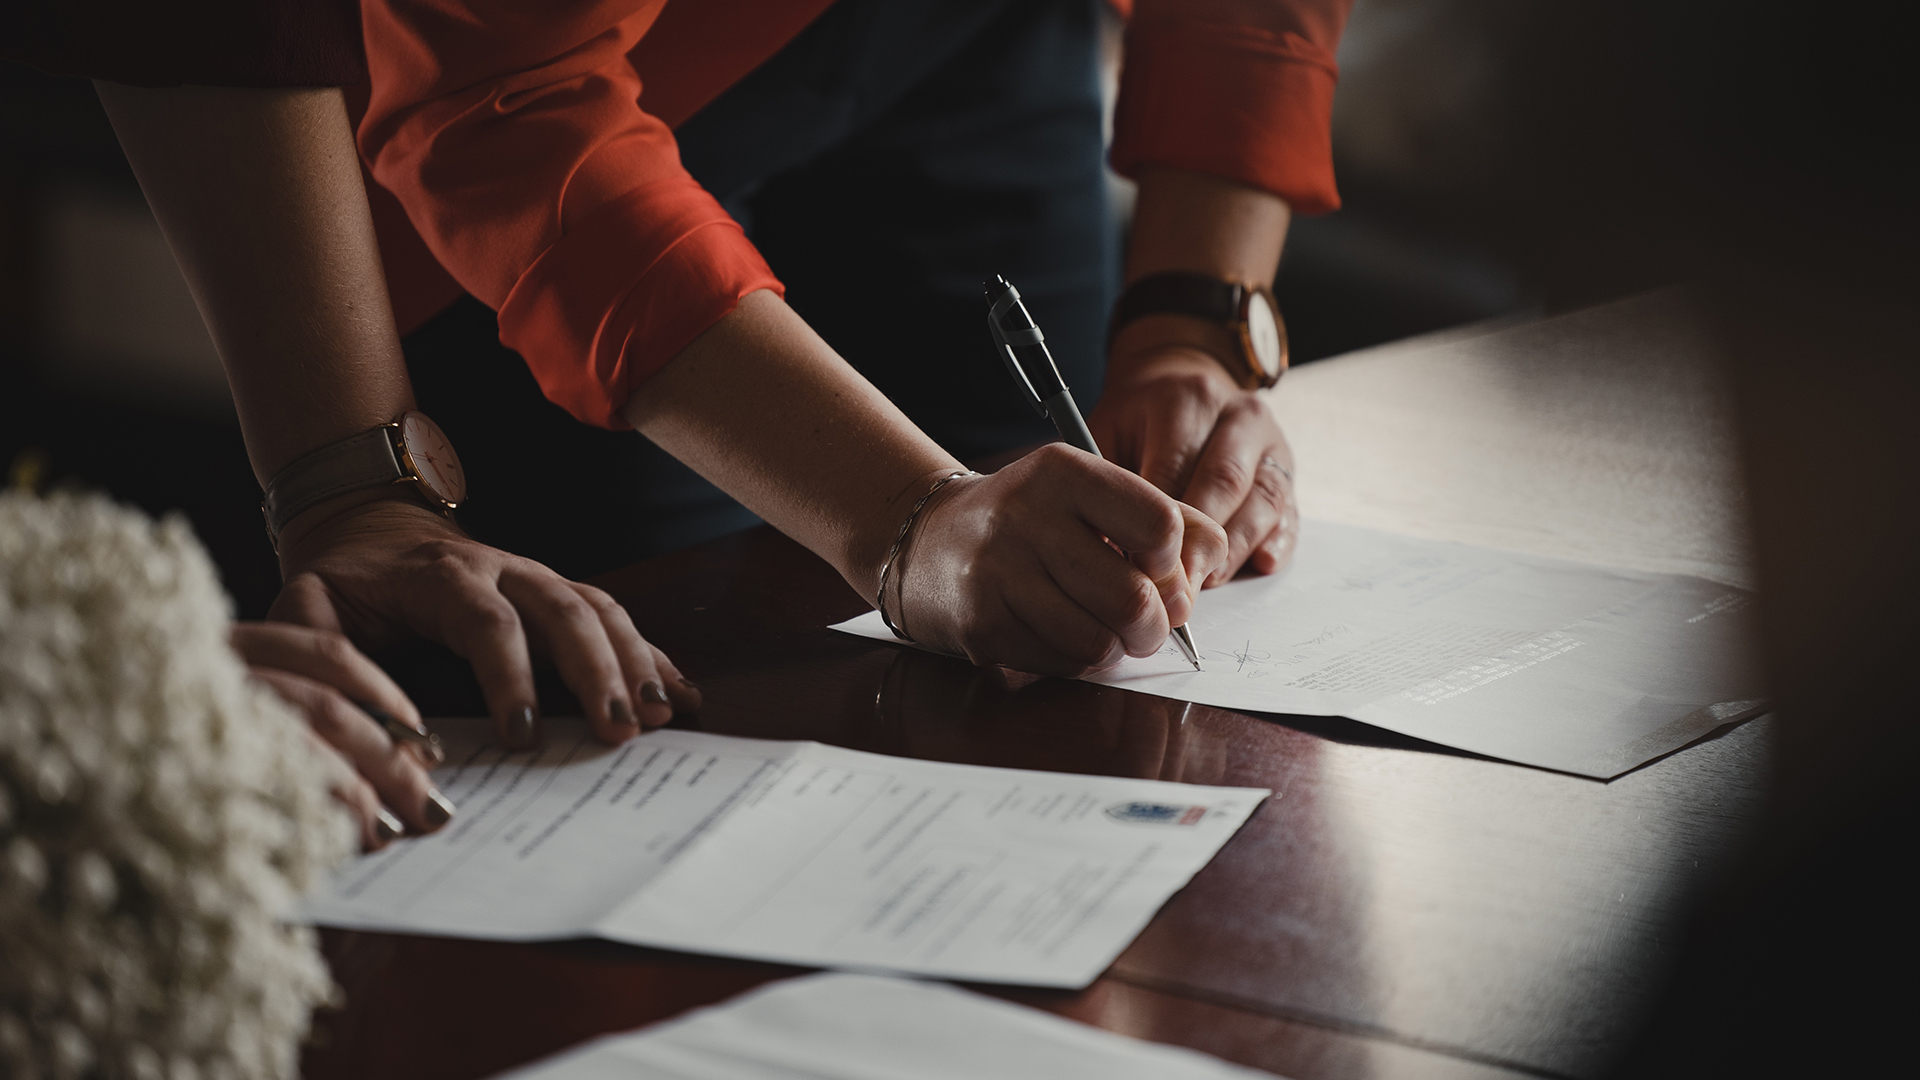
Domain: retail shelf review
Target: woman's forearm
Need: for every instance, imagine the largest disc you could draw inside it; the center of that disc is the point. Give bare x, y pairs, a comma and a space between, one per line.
1202, 224
764, 408
260, 196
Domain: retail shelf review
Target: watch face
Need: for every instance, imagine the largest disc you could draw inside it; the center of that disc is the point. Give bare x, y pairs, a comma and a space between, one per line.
1264, 337
431, 457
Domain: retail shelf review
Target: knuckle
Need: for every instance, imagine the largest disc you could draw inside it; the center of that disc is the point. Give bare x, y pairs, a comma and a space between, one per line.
1167, 522
1169, 467
618, 622
573, 607
493, 617
445, 569
1227, 471
1249, 527
1056, 451
1213, 536
1271, 486
443, 549
598, 599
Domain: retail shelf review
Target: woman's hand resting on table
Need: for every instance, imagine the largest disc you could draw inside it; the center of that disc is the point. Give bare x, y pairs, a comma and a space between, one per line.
322, 675
1170, 413
1015, 568
387, 569
1169, 410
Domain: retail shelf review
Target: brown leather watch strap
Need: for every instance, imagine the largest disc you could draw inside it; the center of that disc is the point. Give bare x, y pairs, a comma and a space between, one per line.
1179, 292
363, 461
1199, 296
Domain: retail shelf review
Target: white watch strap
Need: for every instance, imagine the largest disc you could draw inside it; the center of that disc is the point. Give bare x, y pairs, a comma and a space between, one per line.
363, 461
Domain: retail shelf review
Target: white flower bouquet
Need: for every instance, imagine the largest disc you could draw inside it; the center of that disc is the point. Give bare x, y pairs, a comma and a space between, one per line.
159, 813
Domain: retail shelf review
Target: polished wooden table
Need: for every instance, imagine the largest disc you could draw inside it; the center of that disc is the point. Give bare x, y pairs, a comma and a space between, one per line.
1396, 909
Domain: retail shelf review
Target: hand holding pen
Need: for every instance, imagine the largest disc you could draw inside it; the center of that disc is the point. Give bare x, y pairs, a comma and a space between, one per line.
1016, 568
1022, 347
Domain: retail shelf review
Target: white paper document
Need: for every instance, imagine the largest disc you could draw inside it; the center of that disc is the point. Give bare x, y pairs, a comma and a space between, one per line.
863, 1027
791, 851
1586, 669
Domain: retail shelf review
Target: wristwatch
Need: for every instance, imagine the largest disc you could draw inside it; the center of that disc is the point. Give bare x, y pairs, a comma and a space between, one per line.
1248, 311
411, 450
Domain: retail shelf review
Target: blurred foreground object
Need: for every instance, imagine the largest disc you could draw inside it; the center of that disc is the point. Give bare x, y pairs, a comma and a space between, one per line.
158, 812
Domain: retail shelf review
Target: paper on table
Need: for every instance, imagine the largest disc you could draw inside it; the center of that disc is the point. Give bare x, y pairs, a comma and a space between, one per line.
791, 851
1585, 669
862, 1027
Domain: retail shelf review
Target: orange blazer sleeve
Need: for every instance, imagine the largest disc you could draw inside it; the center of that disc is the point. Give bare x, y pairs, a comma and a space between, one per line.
512, 135
1237, 88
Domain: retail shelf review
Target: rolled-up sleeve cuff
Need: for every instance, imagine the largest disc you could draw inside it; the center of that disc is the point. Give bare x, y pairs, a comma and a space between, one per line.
626, 290
1252, 106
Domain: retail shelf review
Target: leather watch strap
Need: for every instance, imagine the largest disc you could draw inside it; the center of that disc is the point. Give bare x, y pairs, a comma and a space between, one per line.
366, 460
1178, 292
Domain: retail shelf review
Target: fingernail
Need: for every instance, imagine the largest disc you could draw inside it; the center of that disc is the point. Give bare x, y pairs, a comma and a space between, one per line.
689, 684
622, 712
439, 810
386, 826
652, 694
523, 728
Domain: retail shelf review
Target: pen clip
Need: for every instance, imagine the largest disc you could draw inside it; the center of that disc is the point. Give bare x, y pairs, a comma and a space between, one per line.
1004, 340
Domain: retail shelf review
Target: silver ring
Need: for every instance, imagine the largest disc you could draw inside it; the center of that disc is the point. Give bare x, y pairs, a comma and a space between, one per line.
1275, 462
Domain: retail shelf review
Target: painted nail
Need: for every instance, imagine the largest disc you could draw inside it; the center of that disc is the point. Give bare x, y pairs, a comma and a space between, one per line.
621, 712
523, 728
439, 809
652, 694
689, 684
386, 826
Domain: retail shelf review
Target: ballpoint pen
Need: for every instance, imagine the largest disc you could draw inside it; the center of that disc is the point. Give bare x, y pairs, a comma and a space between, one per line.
1022, 347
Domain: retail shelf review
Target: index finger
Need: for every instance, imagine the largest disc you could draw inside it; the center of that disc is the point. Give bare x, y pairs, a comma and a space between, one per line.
1223, 475
325, 657
1140, 519
1204, 549
1173, 544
